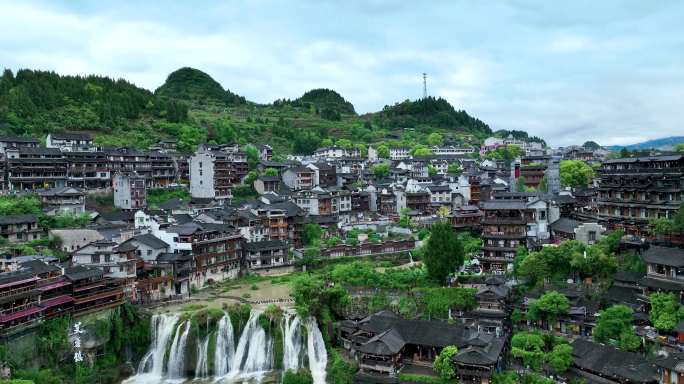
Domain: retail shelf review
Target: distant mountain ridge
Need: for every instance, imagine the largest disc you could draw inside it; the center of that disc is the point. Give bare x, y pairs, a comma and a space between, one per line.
662, 143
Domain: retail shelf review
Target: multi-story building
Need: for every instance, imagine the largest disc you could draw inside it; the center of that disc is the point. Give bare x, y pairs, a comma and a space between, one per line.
130, 191
127, 160
504, 228
266, 254
63, 200
298, 178
418, 200
451, 150
89, 170
35, 168
92, 291
465, 217
217, 253
18, 228
164, 169
399, 153
117, 262
335, 152
211, 175
665, 271
634, 190
16, 142
65, 142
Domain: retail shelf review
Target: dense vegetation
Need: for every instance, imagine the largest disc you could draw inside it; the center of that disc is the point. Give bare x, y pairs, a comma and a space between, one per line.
518, 135
195, 86
432, 112
192, 108
39, 102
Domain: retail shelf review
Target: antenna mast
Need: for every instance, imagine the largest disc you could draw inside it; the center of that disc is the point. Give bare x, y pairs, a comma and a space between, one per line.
424, 85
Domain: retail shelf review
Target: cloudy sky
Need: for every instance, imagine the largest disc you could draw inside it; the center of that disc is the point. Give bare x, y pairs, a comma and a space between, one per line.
611, 71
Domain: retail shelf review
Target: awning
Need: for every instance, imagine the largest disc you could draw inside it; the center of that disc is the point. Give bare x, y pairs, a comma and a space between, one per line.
56, 301
20, 314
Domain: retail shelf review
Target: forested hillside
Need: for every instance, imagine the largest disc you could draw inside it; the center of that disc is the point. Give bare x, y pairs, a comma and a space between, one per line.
38, 102
195, 86
430, 112
191, 107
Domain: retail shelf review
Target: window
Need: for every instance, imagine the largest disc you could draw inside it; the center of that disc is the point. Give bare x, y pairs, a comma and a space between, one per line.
592, 236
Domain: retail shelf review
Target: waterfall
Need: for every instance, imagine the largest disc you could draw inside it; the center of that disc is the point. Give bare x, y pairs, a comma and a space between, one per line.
162, 327
318, 357
225, 347
248, 359
254, 352
176, 365
202, 368
292, 340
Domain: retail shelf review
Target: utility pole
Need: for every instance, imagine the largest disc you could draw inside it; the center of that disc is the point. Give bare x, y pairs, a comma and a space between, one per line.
424, 85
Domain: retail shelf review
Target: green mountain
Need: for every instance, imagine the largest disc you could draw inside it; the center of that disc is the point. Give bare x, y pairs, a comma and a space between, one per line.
327, 99
430, 112
39, 102
193, 108
195, 86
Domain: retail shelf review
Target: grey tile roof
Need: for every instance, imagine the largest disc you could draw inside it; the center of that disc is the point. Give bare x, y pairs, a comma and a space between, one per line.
655, 254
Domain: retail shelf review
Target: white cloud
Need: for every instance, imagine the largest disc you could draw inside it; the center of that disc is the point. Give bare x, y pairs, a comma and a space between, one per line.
624, 82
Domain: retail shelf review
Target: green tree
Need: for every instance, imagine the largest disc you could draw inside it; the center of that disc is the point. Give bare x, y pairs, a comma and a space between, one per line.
454, 168
664, 311
612, 322
383, 151
438, 301
679, 147
548, 307
344, 143
528, 346
624, 152
435, 139
443, 365
678, 220
432, 171
327, 142
575, 173
312, 234
250, 177
381, 170
443, 252
422, 152
272, 172
560, 358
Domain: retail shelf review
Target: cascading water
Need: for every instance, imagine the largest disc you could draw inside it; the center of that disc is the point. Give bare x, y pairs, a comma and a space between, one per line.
176, 366
202, 367
225, 347
292, 343
162, 327
318, 357
249, 361
254, 352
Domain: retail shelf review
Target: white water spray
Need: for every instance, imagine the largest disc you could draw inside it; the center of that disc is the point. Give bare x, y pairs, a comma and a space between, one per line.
162, 327
225, 347
176, 366
318, 357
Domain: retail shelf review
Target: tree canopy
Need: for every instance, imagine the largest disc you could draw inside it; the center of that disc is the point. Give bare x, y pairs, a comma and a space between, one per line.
575, 173
443, 252
615, 325
443, 365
